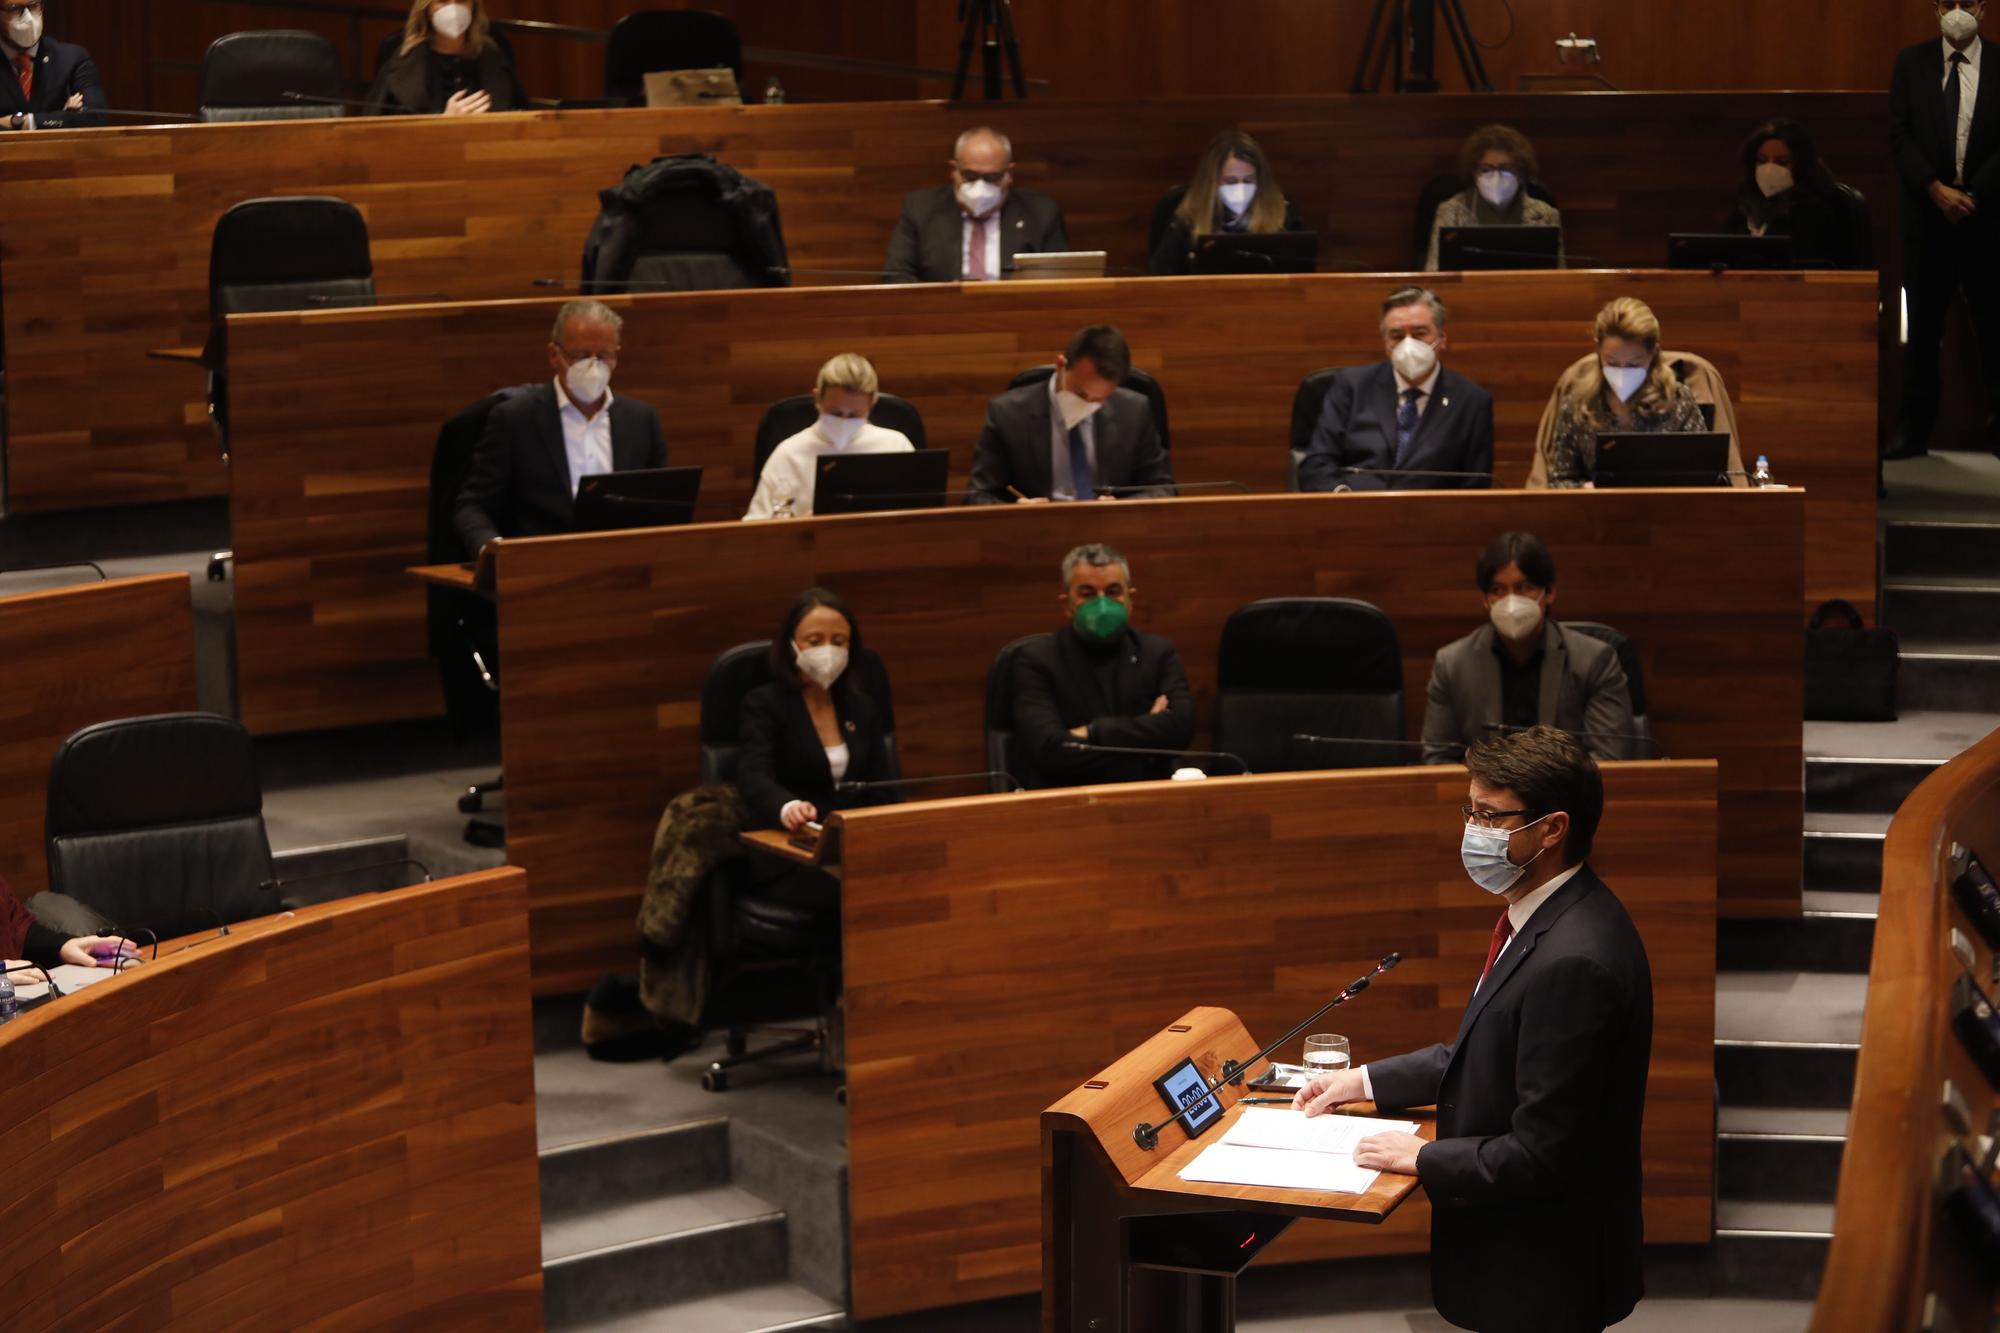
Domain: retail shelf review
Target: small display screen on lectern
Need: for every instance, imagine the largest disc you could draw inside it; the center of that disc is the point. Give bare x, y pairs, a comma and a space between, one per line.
1182, 1087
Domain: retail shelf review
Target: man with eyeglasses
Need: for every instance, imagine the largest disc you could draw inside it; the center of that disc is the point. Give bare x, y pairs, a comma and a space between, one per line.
971, 229
541, 442
1534, 1179
49, 84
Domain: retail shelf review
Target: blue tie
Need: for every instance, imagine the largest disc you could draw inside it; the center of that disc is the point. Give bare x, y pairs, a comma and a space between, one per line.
1406, 426
1079, 466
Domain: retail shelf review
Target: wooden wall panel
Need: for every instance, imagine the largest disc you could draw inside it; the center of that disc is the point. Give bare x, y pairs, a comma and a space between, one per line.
326, 1119
329, 506
605, 641
987, 973
107, 231
75, 656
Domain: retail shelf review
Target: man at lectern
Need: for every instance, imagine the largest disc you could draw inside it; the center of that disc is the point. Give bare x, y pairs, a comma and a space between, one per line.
1534, 1179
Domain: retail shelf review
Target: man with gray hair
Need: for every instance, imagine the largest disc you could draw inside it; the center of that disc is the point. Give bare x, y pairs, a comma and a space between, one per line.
1407, 423
1100, 682
971, 229
543, 439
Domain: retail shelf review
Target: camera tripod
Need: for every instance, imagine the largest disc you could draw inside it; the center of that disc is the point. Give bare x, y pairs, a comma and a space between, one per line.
989, 25
1409, 27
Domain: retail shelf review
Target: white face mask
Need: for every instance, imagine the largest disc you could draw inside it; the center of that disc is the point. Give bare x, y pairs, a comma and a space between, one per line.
1498, 188
587, 380
1958, 27
1515, 616
840, 431
1626, 380
1484, 854
1237, 198
979, 197
822, 664
25, 30
1413, 360
452, 20
1075, 408
1773, 178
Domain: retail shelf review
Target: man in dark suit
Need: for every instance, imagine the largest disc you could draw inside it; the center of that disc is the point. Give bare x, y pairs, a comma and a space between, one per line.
541, 442
1944, 132
1098, 681
1386, 425
53, 84
971, 229
1534, 1179
1074, 436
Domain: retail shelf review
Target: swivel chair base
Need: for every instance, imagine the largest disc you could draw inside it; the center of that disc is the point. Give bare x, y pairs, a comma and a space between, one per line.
827, 1037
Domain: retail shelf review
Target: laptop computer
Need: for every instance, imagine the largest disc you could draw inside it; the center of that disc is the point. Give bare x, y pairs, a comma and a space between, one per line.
1468, 249
1687, 249
870, 483
1690, 458
1057, 264
656, 497
1257, 252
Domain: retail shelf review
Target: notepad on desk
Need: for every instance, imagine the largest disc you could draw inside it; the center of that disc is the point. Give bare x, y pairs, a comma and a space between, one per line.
1278, 1148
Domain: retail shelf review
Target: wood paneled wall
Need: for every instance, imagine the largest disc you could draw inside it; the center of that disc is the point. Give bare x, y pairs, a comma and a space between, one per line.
988, 972
605, 641
328, 489
106, 232
326, 1119
76, 656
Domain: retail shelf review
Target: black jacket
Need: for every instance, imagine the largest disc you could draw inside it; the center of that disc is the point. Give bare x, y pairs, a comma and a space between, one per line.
62, 70
1534, 1180
1175, 253
677, 193
1015, 445
519, 484
404, 87
929, 244
1055, 688
1924, 142
783, 761
1817, 218
1357, 428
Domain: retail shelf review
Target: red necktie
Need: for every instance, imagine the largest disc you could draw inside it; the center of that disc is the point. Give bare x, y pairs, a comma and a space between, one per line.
25, 64
975, 268
1503, 930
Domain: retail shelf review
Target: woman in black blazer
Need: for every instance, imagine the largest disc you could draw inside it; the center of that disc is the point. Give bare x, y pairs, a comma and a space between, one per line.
1787, 190
1232, 190
449, 64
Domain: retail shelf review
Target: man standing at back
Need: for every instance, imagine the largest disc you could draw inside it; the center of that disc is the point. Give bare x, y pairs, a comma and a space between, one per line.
971, 229
1534, 1179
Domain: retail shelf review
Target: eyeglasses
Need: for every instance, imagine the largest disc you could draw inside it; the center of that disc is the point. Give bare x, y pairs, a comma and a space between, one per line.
1488, 173
14, 11
609, 358
1484, 818
990, 177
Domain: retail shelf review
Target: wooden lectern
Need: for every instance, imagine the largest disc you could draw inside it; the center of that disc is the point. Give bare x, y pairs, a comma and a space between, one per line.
1130, 1247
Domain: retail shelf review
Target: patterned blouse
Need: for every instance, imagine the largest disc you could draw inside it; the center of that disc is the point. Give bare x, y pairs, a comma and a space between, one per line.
1573, 442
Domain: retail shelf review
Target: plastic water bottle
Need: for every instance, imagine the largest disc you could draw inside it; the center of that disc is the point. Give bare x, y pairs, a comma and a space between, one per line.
774, 92
10, 1007
1761, 478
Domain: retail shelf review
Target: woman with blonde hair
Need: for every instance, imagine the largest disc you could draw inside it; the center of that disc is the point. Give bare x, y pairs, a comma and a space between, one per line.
450, 63
1498, 165
1232, 190
844, 394
1628, 387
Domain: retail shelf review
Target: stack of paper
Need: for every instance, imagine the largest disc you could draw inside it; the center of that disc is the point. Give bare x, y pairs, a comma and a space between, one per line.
1280, 1148
69, 976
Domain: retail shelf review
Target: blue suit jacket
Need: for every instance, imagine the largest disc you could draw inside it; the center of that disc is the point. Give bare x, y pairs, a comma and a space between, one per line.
61, 70
1357, 428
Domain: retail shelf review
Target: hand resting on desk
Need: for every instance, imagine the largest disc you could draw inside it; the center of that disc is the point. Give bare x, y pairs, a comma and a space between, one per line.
1378, 1152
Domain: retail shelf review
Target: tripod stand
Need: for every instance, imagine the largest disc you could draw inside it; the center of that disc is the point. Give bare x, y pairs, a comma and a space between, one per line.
1410, 27
989, 25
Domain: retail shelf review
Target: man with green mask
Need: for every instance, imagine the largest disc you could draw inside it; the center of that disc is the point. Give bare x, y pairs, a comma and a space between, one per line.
1100, 682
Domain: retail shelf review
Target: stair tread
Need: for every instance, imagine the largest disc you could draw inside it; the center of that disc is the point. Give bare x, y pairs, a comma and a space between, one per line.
1931, 737
648, 1219
1929, 646
744, 1310
1845, 824
1822, 1120
1789, 1006
1841, 900
1768, 1215
1942, 582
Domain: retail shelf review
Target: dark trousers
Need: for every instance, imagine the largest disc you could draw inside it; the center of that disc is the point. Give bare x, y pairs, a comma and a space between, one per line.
1939, 260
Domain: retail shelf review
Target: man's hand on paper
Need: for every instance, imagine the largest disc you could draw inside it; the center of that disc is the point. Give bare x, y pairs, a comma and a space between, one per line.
1324, 1092
1389, 1152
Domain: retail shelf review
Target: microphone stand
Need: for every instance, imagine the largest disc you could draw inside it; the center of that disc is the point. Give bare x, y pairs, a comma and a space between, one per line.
1147, 1136
1085, 747
883, 784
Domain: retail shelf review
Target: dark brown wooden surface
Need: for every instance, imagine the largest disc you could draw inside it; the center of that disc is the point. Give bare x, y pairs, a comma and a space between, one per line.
328, 503
1890, 1248
998, 950
76, 656
320, 1121
107, 231
605, 641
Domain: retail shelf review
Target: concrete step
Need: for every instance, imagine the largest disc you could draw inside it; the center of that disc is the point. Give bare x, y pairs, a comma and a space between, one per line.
1795, 1166
1863, 784
1835, 932
1941, 610
581, 1179
1962, 548
1771, 1249
1843, 853
652, 1254
775, 1307
1787, 1038
1937, 677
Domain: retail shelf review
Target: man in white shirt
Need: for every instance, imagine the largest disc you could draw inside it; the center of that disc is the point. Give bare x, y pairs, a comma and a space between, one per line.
845, 394
970, 229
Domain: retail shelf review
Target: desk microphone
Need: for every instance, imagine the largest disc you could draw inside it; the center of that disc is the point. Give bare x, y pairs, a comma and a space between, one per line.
59, 119
1013, 783
1085, 747
1382, 743
1147, 1136
362, 303
276, 885
1412, 472
1502, 728
1183, 487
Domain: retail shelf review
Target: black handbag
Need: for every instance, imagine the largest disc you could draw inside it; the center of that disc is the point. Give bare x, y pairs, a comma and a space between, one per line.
1850, 669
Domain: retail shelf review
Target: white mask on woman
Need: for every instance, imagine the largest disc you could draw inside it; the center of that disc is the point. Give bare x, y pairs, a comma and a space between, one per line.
840, 431
1626, 380
1498, 188
452, 21
1773, 178
1237, 197
822, 663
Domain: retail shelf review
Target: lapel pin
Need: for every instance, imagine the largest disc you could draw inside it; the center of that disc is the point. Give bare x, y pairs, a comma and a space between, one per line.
1444, 402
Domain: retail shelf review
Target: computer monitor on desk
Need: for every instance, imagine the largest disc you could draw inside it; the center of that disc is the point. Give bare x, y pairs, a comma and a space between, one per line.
1726, 251
1257, 252
1466, 249
869, 483
658, 497
1685, 458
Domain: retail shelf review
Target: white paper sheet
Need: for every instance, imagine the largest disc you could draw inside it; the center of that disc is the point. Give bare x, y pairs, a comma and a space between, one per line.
1273, 1168
70, 977
1280, 1127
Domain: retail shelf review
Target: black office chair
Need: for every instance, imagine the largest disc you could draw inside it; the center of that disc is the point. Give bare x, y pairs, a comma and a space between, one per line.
788, 416
1860, 227
1440, 188
1163, 217
1635, 681
1319, 666
1137, 380
656, 39
246, 76
685, 222
1003, 752
1307, 404
157, 824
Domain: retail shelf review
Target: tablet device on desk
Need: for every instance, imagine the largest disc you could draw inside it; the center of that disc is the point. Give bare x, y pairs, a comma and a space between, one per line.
1704, 250
1686, 458
654, 497
1256, 252
869, 483
1057, 264
1466, 249
1182, 1087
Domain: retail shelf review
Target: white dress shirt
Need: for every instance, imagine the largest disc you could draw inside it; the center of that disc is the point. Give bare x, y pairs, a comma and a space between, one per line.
790, 471
1968, 95
1062, 485
586, 443
836, 761
993, 273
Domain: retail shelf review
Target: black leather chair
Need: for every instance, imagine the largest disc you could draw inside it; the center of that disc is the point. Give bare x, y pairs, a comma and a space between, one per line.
245, 76
788, 416
1163, 216
1003, 752
1860, 227
157, 824
656, 39
1137, 380
1635, 681
1321, 666
1440, 188
1307, 404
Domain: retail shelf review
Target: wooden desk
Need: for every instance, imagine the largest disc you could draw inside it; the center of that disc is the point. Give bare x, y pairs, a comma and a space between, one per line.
778, 843
87, 653
328, 501
606, 639
457, 578
988, 972
323, 1119
109, 229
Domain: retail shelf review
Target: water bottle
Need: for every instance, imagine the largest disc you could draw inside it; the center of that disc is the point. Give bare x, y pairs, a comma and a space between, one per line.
1761, 478
774, 92
9, 1006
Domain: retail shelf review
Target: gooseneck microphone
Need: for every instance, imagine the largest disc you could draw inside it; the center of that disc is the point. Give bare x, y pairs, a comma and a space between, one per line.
1147, 1136
1085, 747
884, 784
1413, 472
1179, 487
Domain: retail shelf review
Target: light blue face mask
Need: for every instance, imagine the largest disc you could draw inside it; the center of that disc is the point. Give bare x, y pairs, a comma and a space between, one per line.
1484, 852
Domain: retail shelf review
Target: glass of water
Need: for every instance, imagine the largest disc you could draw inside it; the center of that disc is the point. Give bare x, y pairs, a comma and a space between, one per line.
1325, 1054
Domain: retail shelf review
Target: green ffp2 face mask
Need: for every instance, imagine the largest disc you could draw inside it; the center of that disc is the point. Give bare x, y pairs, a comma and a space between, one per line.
1101, 618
